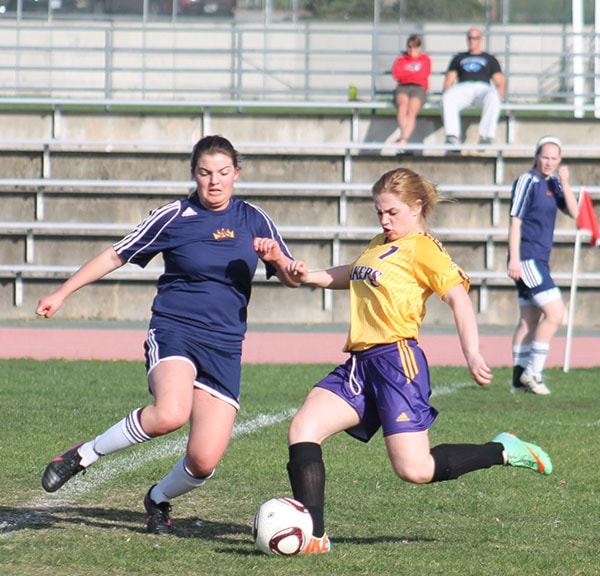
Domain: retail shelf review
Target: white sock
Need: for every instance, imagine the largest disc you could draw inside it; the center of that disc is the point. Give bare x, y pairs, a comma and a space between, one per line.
177, 482
539, 353
128, 432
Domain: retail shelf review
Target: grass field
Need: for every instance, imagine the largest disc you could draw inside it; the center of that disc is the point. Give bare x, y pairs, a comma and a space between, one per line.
502, 521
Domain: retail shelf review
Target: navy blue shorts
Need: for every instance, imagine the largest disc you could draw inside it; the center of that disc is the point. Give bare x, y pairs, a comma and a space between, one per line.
388, 386
218, 371
536, 286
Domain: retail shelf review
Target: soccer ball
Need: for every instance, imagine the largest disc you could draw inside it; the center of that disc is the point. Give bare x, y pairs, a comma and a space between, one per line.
282, 526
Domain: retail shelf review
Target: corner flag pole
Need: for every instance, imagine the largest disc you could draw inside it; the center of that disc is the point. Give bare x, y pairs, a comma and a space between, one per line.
571, 315
573, 293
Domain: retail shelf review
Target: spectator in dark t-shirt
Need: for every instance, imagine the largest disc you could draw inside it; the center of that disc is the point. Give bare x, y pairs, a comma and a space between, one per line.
474, 79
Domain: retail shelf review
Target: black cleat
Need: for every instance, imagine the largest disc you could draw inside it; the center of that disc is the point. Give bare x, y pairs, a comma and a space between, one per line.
158, 520
61, 469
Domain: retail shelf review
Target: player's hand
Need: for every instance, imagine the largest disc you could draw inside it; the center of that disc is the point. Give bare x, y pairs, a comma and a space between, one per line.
515, 269
298, 271
563, 174
49, 305
480, 371
268, 250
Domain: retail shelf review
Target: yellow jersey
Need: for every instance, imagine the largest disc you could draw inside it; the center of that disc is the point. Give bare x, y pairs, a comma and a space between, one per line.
389, 285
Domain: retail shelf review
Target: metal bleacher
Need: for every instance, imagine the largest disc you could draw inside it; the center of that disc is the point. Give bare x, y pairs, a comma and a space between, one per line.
32, 257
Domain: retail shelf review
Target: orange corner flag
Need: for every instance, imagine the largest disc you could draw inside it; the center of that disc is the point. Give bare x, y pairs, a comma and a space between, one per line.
586, 220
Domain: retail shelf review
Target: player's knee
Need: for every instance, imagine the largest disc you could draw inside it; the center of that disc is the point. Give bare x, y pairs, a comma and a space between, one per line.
297, 430
554, 315
202, 464
166, 421
414, 474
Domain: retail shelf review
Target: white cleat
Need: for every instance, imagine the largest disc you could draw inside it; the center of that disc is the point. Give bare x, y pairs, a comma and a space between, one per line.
534, 383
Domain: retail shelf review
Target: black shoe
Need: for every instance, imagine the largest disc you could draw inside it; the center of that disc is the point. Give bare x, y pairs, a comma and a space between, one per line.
158, 520
61, 469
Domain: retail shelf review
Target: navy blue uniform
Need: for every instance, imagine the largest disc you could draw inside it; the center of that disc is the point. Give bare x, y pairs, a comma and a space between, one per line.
203, 294
535, 201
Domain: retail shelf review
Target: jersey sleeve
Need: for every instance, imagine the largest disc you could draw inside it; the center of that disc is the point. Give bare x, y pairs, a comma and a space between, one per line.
520, 195
264, 227
435, 269
149, 237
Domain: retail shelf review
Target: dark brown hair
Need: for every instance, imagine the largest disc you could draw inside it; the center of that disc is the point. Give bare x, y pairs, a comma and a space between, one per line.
214, 145
414, 39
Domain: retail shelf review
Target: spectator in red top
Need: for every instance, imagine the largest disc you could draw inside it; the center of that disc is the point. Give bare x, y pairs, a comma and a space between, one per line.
411, 70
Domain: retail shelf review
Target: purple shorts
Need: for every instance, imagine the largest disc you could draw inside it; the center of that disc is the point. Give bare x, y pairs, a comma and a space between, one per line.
388, 386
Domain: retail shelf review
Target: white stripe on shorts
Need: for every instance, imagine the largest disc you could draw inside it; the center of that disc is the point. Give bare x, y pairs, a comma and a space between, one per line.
531, 275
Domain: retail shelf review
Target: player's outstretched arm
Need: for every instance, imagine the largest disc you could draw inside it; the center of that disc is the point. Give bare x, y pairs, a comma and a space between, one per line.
268, 250
93, 270
336, 278
466, 326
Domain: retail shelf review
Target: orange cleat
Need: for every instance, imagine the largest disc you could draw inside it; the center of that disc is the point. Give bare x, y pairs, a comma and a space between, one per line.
318, 545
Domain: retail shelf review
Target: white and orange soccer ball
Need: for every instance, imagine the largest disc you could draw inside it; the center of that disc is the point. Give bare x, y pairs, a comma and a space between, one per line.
282, 526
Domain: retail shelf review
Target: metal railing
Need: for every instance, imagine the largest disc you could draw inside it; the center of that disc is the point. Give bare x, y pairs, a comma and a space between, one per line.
228, 59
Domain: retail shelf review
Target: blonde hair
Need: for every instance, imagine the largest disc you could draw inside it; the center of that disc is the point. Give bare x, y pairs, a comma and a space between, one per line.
408, 187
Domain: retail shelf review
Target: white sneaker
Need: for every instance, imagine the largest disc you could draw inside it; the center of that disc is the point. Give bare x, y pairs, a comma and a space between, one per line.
534, 383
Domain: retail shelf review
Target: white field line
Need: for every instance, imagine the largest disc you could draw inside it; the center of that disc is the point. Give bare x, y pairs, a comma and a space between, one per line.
444, 389
105, 470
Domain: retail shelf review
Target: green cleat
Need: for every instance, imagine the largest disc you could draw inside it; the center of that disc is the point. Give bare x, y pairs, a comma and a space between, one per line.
519, 453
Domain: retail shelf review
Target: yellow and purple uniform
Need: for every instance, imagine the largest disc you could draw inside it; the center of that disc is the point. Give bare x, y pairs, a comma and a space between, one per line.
389, 285
386, 378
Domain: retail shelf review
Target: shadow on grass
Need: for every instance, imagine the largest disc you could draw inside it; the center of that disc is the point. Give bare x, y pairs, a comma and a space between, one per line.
240, 550
16, 519
227, 535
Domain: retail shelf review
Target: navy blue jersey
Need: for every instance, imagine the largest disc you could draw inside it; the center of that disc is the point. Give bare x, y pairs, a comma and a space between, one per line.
209, 264
535, 202
474, 67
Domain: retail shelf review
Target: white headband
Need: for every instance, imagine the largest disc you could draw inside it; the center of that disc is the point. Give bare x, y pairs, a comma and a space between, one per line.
547, 140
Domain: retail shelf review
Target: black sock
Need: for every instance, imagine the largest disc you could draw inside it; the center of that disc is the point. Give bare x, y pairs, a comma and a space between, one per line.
306, 471
454, 460
517, 371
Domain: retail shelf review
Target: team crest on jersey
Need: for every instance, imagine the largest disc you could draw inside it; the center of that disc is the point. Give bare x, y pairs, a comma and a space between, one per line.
223, 233
371, 275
